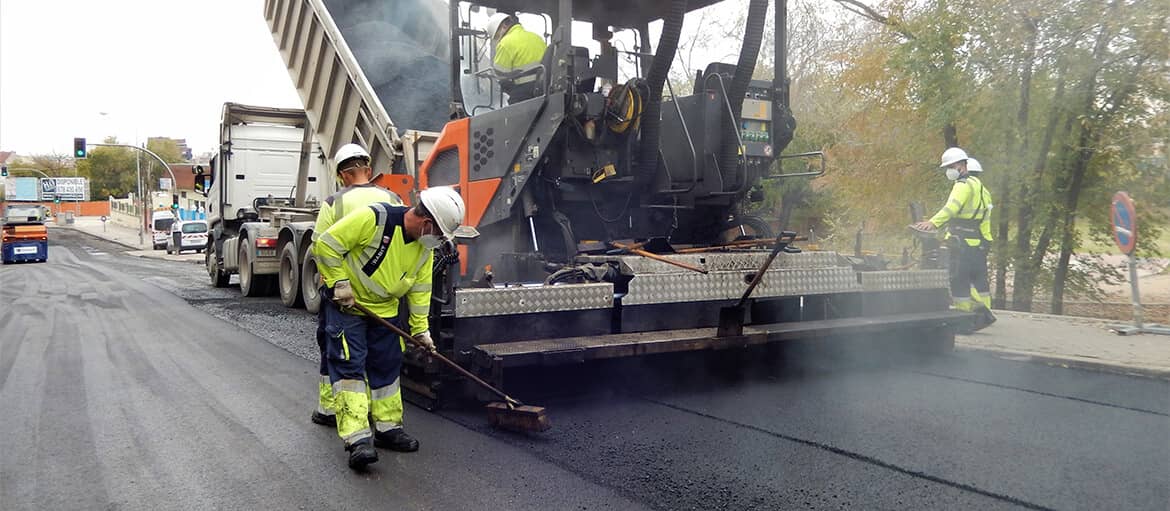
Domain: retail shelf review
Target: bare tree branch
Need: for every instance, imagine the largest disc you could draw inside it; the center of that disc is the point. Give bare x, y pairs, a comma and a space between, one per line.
870, 13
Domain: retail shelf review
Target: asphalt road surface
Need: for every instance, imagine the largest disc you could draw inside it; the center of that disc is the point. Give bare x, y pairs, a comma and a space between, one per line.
129, 383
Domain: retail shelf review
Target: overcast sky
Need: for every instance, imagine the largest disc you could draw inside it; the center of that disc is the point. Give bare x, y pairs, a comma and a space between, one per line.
156, 67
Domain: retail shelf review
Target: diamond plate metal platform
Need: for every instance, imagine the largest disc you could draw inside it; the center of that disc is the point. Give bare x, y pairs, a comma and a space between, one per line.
473, 302
902, 280
728, 261
730, 285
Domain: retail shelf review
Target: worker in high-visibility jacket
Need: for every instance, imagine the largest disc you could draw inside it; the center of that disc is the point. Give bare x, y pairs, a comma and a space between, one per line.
518, 53
355, 173
374, 256
967, 219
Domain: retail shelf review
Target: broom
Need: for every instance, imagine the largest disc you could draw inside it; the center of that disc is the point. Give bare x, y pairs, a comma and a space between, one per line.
510, 414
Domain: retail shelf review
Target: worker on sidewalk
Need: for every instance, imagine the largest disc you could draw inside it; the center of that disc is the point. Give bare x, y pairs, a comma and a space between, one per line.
355, 173
967, 218
517, 56
373, 257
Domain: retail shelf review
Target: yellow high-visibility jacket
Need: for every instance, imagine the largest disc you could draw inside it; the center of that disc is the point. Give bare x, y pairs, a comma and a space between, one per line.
369, 248
349, 199
518, 49
967, 213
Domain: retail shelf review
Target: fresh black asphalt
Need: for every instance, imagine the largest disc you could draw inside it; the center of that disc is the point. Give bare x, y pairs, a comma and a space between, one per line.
130, 383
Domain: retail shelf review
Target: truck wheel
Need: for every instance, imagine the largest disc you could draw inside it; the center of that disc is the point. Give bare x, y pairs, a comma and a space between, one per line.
310, 292
211, 260
289, 278
250, 284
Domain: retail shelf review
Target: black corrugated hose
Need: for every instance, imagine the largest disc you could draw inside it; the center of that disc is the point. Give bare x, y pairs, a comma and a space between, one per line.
655, 79
752, 39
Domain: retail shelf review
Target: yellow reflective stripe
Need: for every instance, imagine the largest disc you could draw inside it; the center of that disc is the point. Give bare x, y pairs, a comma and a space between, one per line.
329, 261
328, 239
365, 280
358, 386
420, 309
421, 287
344, 345
385, 392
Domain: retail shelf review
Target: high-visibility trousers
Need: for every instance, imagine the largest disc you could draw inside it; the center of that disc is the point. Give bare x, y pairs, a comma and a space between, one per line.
361, 351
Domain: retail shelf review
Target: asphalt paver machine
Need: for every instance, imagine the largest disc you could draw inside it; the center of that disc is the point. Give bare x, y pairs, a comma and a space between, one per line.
594, 199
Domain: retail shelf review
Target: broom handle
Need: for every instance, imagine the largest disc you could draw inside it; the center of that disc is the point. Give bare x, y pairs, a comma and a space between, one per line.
445, 360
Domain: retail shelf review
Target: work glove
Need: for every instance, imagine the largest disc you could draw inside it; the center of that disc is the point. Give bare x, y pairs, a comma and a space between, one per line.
342, 293
425, 340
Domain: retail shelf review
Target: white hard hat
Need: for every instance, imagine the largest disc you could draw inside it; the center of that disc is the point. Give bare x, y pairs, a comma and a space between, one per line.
445, 205
494, 22
952, 156
973, 165
349, 151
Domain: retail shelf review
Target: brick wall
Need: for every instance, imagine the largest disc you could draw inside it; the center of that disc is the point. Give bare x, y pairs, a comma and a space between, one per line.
87, 208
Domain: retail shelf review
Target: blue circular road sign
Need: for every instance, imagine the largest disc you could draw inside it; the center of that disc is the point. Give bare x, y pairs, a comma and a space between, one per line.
1124, 222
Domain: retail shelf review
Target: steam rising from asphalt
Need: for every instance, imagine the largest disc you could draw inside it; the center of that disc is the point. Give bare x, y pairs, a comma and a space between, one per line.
402, 47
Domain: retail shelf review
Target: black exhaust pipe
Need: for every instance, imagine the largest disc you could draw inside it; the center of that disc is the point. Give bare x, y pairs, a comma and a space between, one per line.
752, 39
655, 79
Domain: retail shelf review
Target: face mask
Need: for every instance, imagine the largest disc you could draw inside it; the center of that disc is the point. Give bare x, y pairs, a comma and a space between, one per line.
952, 174
430, 241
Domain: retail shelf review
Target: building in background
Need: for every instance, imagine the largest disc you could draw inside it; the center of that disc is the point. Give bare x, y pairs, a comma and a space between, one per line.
184, 151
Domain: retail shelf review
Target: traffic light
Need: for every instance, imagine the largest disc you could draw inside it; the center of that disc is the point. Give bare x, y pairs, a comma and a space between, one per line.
79, 148
3, 170
56, 199
174, 201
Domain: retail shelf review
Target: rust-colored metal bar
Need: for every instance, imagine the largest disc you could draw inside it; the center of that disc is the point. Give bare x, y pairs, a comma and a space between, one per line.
410, 338
656, 257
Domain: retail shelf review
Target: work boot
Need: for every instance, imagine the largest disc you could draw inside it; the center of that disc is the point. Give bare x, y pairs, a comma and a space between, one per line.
985, 319
324, 420
395, 440
361, 453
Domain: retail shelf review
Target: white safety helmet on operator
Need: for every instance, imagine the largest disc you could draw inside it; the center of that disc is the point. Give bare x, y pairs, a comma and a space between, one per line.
446, 206
494, 22
349, 151
974, 166
952, 156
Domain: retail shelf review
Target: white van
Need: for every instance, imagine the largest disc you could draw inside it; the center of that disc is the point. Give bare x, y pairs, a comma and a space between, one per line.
160, 227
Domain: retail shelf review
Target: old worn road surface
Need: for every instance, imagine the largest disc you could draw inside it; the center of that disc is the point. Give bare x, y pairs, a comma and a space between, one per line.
128, 383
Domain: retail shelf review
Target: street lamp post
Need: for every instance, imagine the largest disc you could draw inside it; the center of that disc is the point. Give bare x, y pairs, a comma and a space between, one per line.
138, 168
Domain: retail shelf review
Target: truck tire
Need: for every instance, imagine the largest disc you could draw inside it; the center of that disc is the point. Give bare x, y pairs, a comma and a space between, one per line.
310, 291
211, 260
252, 285
289, 278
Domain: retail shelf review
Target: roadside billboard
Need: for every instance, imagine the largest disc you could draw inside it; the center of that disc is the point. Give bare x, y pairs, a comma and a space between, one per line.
65, 188
21, 189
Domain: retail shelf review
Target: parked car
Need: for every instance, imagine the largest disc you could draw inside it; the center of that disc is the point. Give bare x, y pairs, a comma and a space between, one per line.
188, 235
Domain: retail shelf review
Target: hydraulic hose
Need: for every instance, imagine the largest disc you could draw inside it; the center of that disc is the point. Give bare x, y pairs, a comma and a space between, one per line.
752, 39
655, 79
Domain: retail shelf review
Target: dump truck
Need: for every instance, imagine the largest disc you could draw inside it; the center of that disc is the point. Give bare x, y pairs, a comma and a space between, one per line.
264, 187
24, 237
602, 208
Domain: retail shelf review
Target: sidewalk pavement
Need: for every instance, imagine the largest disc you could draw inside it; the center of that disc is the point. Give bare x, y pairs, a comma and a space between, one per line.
127, 237
1061, 340
1071, 342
